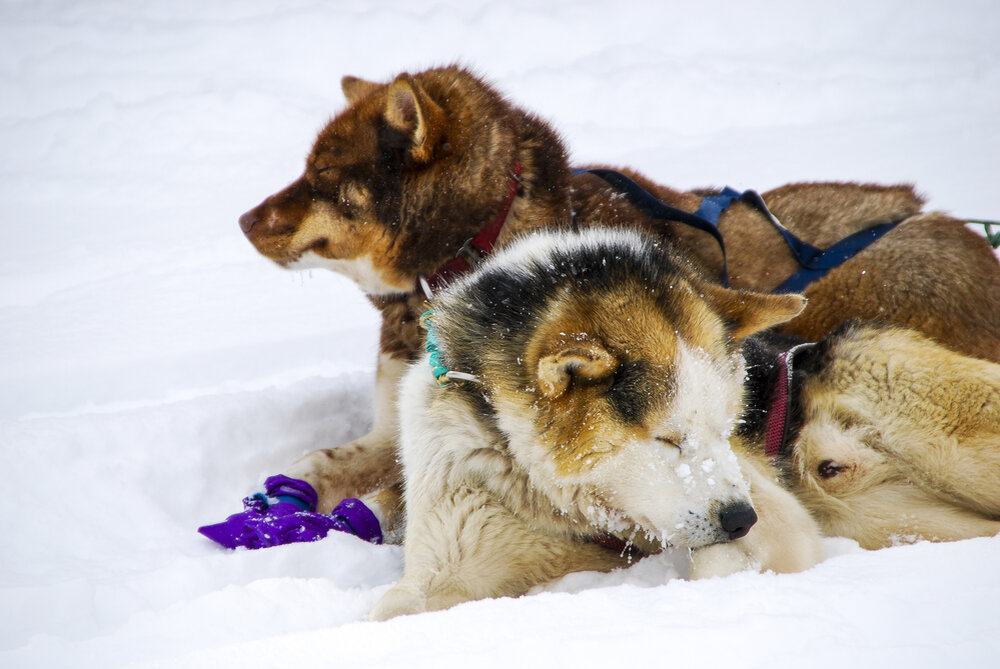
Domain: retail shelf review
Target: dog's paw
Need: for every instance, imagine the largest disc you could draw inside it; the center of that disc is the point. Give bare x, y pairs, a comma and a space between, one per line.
720, 560
398, 602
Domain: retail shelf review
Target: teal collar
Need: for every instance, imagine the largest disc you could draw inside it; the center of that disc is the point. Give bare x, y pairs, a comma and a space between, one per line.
441, 373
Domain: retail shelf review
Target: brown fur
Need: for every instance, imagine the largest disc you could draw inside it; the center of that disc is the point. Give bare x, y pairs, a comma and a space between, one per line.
585, 346
410, 170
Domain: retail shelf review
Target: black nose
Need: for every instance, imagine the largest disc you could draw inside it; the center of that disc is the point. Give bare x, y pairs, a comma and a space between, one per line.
737, 519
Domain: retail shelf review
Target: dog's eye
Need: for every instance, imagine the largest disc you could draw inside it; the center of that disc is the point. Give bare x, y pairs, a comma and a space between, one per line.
670, 441
828, 469
324, 176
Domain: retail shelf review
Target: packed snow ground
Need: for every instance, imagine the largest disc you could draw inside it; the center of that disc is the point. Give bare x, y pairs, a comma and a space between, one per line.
154, 369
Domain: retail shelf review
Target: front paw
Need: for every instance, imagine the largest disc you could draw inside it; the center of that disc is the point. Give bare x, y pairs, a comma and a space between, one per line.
399, 601
719, 560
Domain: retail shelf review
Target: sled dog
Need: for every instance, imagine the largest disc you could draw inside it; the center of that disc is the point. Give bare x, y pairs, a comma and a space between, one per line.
609, 402
420, 176
885, 436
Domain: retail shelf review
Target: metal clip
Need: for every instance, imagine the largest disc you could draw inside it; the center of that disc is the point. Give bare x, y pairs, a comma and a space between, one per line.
470, 253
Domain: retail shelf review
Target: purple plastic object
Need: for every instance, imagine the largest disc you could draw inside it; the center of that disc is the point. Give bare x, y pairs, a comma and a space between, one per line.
287, 514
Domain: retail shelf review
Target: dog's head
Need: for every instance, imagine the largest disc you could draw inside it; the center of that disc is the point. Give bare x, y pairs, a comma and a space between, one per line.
615, 371
884, 412
883, 408
395, 183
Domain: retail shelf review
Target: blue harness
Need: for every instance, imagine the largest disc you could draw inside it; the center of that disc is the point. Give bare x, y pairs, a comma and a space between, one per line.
814, 262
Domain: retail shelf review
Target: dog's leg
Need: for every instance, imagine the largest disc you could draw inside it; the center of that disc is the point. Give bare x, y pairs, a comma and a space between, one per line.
387, 505
784, 539
898, 512
367, 463
467, 546
960, 472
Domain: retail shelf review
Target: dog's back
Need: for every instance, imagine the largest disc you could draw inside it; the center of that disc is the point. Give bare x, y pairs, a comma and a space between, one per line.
411, 170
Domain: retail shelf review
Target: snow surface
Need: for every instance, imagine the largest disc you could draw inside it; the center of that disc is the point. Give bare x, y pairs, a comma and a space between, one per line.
154, 369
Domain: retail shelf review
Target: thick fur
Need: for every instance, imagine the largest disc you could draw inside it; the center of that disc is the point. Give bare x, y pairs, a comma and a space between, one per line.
900, 439
610, 382
411, 169
618, 393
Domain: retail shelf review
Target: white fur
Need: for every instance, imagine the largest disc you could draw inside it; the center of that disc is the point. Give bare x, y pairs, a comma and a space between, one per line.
538, 247
467, 536
361, 270
490, 513
439, 437
673, 493
423, 453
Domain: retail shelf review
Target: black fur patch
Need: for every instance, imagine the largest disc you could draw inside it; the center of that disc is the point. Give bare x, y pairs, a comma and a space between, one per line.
501, 303
630, 393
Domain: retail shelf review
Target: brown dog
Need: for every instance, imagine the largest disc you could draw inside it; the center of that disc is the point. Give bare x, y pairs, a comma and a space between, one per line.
402, 179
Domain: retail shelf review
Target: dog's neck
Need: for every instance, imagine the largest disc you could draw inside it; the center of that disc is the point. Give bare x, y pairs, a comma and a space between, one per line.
771, 416
477, 247
538, 194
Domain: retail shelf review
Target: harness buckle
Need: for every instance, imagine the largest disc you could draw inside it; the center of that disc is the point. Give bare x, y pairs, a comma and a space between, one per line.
469, 253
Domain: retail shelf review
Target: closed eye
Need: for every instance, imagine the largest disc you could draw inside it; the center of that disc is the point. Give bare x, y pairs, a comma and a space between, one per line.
668, 441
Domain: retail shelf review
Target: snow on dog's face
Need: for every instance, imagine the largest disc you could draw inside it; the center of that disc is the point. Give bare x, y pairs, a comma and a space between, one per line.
616, 375
639, 410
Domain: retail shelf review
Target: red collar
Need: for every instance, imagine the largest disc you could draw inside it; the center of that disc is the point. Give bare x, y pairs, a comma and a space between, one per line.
617, 544
776, 428
479, 246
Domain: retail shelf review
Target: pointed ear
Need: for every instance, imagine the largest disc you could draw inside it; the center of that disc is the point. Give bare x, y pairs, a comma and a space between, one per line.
410, 110
751, 312
355, 89
581, 360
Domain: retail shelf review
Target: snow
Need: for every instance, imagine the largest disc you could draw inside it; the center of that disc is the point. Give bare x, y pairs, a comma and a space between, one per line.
155, 369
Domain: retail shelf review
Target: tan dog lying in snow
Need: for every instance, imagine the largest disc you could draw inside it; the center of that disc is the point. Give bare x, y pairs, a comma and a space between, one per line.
618, 404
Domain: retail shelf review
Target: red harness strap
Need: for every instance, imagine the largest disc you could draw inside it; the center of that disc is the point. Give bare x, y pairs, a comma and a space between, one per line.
777, 412
776, 428
611, 541
618, 545
479, 246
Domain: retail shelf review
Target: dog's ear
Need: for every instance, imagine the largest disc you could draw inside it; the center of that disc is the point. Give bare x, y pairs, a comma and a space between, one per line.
411, 111
355, 89
585, 361
749, 312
